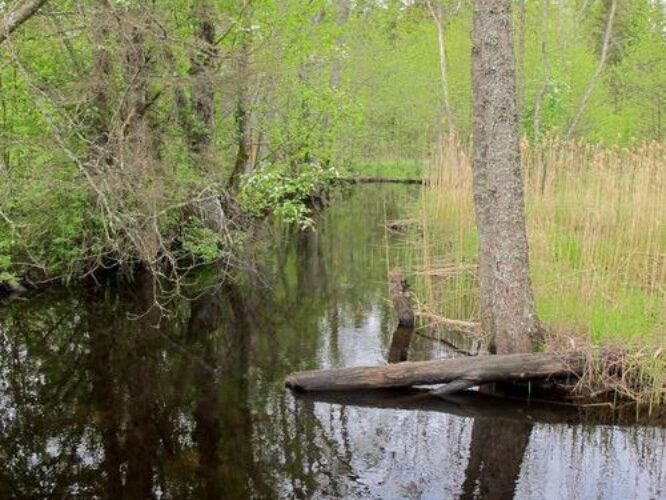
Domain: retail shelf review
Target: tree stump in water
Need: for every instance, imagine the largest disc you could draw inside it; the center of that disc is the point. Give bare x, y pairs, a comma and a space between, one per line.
401, 298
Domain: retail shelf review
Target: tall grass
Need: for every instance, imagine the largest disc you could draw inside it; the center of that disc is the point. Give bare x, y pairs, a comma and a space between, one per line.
596, 223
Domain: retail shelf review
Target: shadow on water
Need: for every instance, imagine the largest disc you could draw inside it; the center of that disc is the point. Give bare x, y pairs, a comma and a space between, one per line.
101, 395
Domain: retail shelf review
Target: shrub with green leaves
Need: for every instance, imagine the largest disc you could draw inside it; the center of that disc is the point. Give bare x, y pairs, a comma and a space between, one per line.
285, 192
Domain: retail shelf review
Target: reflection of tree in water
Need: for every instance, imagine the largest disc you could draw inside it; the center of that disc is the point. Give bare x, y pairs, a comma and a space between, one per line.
497, 450
100, 405
40, 439
121, 408
194, 407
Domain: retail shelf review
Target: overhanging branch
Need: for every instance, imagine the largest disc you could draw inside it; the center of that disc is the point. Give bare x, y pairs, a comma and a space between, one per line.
17, 16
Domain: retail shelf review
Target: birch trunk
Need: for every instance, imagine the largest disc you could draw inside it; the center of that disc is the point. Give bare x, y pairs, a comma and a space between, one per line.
437, 13
597, 72
242, 114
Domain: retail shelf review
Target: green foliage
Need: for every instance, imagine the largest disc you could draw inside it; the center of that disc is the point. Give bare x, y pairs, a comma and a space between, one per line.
105, 166
201, 242
397, 169
286, 192
6, 276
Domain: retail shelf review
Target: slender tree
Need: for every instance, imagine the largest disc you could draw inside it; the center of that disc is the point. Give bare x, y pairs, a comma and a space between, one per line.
437, 13
597, 72
201, 70
242, 113
344, 9
507, 305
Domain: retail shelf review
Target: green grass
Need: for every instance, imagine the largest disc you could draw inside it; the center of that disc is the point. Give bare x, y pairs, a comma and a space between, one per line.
596, 222
390, 169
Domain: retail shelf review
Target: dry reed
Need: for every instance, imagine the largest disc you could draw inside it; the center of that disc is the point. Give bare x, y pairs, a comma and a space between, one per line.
596, 222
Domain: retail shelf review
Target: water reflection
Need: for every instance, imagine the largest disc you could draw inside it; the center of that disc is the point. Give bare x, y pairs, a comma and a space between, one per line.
496, 455
101, 395
399, 348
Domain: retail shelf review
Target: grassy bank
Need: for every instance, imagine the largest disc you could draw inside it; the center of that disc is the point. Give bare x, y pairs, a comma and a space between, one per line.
389, 169
596, 221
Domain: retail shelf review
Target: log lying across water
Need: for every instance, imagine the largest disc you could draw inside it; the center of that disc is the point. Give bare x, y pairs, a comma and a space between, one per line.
459, 373
383, 180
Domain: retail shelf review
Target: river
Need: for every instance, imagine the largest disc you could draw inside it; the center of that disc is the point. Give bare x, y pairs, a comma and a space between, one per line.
104, 396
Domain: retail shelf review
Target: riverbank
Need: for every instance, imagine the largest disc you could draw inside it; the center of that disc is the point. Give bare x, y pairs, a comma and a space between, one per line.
103, 393
595, 222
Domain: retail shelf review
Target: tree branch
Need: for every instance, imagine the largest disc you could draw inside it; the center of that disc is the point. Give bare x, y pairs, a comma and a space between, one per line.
18, 16
597, 72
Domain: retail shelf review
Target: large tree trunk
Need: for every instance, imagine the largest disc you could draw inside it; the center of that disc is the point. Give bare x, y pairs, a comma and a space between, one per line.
507, 304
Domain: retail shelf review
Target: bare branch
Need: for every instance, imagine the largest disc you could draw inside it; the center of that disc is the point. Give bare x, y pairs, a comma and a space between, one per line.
597, 72
436, 11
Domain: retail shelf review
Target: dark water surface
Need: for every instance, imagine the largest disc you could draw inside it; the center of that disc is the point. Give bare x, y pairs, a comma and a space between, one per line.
103, 397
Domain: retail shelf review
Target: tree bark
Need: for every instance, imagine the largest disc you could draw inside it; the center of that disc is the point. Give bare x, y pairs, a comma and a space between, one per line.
203, 89
401, 298
242, 112
18, 16
597, 72
474, 371
507, 303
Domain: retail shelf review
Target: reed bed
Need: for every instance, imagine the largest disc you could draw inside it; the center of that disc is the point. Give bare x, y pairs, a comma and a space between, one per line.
596, 223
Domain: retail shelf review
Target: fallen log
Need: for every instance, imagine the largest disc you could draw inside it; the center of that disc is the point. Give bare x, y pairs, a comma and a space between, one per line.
463, 373
383, 180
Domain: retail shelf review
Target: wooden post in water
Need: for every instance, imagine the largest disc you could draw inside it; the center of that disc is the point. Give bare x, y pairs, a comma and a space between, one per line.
401, 298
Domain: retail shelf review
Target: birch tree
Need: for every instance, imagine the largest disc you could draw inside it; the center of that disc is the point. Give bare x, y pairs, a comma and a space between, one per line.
597, 72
